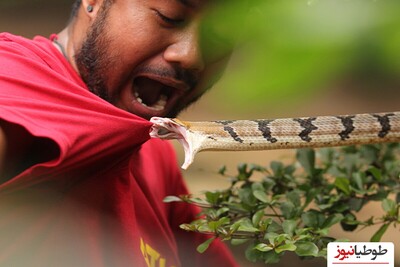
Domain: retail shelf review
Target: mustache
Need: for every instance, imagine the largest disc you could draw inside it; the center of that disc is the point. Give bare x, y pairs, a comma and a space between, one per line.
186, 76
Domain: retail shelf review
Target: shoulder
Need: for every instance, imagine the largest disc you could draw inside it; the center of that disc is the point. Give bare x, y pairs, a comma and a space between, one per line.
21, 45
36, 58
13, 45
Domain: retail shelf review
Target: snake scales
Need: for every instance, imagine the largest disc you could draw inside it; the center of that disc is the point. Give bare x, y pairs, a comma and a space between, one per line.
245, 135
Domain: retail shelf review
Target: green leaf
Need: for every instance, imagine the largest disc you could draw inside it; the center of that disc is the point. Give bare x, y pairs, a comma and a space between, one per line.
169, 199
285, 247
255, 167
289, 226
377, 173
204, 246
311, 194
349, 223
358, 180
222, 170
332, 220
356, 203
197, 200
263, 247
247, 226
323, 253
213, 225
213, 197
294, 197
271, 236
256, 186
253, 254
343, 184
288, 210
222, 211
274, 227
381, 231
271, 257
281, 238
379, 195
306, 248
257, 217
322, 231
243, 174
188, 227
306, 157
277, 168
247, 197
235, 226
261, 195
389, 206
264, 224
313, 218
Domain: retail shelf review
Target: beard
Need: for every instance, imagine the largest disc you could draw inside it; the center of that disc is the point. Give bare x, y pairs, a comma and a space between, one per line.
93, 58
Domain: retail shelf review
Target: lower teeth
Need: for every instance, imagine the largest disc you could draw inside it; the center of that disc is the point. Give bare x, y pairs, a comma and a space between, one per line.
159, 105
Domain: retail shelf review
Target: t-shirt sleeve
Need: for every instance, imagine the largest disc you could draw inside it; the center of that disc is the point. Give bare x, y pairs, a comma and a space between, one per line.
24, 78
42, 94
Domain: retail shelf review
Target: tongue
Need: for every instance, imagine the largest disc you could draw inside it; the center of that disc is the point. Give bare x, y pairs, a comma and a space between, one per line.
148, 90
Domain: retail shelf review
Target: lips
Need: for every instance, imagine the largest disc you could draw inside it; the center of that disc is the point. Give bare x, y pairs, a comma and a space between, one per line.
155, 95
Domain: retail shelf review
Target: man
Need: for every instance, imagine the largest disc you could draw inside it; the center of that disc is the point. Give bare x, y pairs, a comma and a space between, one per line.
81, 183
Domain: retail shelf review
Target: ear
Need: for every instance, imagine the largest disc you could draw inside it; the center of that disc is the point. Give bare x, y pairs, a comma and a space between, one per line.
91, 7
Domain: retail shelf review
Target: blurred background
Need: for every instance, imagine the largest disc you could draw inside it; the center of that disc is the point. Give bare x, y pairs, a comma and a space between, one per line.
293, 58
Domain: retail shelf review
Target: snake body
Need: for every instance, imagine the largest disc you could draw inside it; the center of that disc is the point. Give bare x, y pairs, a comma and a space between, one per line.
266, 134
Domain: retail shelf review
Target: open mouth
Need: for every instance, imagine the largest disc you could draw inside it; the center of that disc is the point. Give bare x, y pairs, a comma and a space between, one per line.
151, 93
157, 94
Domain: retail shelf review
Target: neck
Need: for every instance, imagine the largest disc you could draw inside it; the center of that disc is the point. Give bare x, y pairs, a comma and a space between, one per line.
60, 47
65, 45
62, 42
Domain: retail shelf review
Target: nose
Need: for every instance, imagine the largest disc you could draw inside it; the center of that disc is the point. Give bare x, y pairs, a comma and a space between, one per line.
185, 50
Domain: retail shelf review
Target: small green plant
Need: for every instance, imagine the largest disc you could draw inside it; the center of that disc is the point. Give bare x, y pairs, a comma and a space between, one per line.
291, 207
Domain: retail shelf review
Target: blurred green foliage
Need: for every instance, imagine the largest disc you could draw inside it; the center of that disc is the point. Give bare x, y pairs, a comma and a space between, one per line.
288, 48
290, 208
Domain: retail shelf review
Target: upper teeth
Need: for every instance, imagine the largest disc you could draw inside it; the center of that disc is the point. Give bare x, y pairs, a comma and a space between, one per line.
159, 105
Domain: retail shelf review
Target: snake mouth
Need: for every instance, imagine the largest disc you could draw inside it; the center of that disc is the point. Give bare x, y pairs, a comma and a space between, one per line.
166, 128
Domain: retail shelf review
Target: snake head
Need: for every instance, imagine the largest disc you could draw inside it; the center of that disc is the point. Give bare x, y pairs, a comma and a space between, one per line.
165, 128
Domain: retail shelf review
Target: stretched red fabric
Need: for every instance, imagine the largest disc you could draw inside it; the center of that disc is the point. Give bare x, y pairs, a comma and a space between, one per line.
91, 191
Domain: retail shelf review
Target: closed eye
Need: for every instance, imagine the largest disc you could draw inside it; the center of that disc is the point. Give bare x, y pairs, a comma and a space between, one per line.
169, 21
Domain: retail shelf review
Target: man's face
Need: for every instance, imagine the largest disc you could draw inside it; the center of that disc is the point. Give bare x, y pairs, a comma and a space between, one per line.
145, 56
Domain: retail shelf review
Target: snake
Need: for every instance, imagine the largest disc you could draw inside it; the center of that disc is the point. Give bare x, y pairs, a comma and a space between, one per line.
280, 133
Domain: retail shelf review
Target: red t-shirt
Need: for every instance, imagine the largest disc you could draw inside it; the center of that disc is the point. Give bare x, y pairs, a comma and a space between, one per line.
91, 193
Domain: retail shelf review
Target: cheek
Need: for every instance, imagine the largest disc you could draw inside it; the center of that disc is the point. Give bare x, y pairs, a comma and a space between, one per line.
129, 45
135, 33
